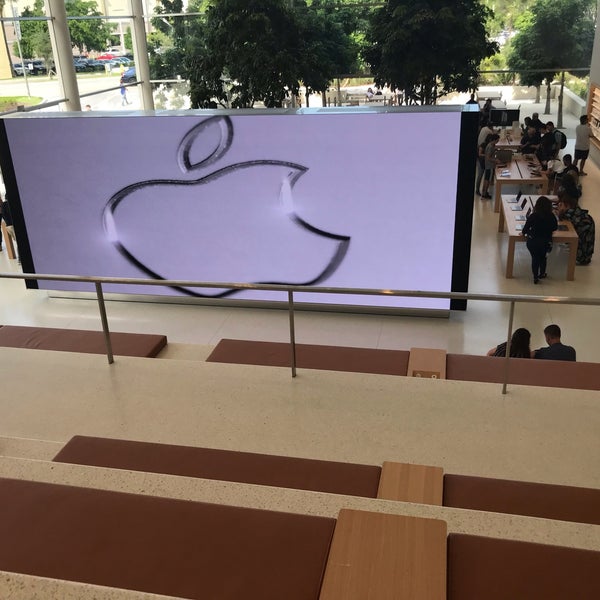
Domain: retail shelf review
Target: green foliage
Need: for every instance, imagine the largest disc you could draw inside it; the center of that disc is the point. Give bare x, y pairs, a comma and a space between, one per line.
166, 45
579, 85
32, 31
497, 62
260, 50
506, 14
11, 102
553, 34
428, 47
328, 49
127, 39
92, 34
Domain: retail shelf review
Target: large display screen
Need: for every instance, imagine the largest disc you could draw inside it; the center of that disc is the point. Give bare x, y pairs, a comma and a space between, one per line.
360, 199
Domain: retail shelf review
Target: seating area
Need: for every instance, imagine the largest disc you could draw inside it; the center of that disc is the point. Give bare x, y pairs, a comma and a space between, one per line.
433, 363
394, 481
145, 543
78, 340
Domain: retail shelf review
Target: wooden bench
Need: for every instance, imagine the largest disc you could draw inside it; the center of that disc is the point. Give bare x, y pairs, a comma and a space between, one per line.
312, 356
494, 569
542, 500
524, 371
79, 340
395, 481
159, 545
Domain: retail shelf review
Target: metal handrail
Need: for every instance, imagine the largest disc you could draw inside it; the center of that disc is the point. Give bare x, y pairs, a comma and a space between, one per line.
98, 282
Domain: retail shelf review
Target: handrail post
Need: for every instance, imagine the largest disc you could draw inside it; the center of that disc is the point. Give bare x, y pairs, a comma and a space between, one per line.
292, 331
508, 338
103, 318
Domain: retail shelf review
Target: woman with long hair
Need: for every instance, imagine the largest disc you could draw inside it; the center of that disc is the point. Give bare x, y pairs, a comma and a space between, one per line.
538, 229
519, 345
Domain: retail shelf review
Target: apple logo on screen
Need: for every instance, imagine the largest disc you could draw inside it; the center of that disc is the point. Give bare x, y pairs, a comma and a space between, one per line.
235, 223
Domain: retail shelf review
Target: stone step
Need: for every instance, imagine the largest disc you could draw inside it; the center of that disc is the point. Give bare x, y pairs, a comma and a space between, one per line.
176, 351
496, 525
29, 448
18, 586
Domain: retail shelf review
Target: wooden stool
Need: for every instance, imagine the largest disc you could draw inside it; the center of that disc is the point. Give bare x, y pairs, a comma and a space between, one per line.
421, 484
427, 362
391, 557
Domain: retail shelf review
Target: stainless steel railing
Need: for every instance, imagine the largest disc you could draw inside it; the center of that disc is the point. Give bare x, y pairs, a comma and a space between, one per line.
98, 282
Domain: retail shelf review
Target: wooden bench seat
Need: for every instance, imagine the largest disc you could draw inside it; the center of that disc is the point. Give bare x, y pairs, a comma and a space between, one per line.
312, 356
524, 371
161, 546
560, 502
80, 340
494, 569
402, 482
226, 465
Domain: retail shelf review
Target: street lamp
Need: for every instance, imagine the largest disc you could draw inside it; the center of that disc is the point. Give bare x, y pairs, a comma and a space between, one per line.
17, 29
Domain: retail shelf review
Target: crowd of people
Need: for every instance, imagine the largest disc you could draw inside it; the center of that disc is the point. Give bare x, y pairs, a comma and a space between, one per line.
520, 346
544, 141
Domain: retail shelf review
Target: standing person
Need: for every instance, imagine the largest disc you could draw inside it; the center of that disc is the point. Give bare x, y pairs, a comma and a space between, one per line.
124, 100
555, 350
583, 133
490, 164
472, 100
0, 223
481, 162
6, 216
486, 110
486, 129
519, 345
535, 122
538, 229
583, 224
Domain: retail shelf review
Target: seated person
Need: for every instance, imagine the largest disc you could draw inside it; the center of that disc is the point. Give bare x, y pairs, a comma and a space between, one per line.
582, 223
567, 187
530, 141
526, 125
555, 349
568, 167
519, 345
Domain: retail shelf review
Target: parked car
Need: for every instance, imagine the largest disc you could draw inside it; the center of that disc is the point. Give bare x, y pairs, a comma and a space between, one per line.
82, 65
121, 60
97, 65
129, 76
34, 67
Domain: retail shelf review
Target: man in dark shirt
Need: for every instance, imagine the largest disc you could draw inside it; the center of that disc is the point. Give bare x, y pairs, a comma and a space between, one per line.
555, 350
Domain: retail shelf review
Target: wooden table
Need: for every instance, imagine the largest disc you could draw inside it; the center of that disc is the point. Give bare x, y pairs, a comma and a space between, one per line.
509, 143
519, 170
507, 221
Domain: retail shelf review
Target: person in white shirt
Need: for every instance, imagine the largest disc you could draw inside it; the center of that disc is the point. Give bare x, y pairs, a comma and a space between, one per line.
583, 133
